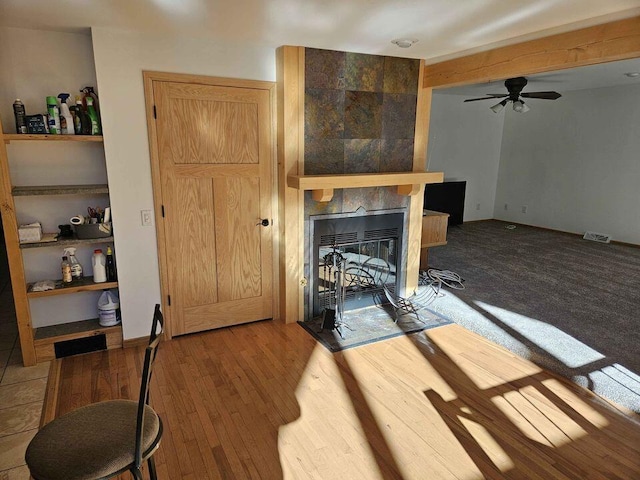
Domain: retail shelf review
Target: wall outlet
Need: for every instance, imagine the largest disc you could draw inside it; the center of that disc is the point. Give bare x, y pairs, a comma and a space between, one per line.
524, 209
477, 206
146, 218
506, 206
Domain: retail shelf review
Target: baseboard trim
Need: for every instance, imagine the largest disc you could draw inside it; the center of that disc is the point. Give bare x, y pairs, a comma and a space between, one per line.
50, 404
135, 342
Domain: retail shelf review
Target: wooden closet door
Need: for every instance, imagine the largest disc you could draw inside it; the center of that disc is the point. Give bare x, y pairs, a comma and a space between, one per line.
215, 154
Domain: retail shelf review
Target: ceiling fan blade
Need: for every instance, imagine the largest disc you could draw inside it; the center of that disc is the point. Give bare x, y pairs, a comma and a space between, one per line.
542, 95
493, 97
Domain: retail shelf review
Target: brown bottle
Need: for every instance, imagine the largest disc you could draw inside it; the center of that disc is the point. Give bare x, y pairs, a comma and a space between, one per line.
66, 270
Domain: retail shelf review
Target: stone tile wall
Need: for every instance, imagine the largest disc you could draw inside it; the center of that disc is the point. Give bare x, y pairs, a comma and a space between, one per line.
360, 113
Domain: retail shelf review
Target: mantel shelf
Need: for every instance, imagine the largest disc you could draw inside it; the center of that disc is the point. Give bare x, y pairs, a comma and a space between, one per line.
408, 183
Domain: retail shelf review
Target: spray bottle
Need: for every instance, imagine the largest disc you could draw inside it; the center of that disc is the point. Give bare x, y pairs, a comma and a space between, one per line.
93, 115
76, 268
66, 120
54, 116
82, 120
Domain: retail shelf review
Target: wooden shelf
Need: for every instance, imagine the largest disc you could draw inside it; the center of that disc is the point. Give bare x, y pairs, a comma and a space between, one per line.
8, 138
408, 183
67, 241
60, 190
85, 285
69, 331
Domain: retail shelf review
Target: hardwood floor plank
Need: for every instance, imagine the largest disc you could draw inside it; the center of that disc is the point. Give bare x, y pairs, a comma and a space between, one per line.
265, 401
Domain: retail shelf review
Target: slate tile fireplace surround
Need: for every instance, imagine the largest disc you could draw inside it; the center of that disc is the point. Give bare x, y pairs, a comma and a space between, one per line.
359, 117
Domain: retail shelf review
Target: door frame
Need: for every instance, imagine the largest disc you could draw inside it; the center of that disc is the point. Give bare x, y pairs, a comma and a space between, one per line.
152, 76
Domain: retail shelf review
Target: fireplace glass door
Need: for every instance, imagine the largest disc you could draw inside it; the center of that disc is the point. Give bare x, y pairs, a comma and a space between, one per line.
354, 259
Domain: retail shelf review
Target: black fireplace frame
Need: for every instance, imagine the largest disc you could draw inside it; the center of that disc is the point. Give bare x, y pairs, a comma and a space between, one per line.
361, 226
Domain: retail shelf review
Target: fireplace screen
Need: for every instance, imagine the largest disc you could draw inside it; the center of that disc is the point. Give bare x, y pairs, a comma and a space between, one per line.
370, 249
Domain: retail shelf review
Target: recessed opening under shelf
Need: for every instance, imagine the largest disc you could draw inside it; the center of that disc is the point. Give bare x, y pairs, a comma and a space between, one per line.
45, 338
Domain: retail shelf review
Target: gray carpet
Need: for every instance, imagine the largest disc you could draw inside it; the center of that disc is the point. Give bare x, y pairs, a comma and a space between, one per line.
567, 304
371, 324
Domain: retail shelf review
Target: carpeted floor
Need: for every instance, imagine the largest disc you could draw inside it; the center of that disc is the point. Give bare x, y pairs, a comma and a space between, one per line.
371, 324
570, 305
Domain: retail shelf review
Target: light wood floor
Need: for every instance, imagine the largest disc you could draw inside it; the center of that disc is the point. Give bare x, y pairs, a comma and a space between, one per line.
264, 401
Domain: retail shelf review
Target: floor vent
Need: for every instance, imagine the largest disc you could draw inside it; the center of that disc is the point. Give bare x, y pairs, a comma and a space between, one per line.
597, 237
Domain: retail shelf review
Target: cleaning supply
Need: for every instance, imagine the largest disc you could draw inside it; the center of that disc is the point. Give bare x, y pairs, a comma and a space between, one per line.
82, 121
54, 116
76, 268
108, 309
90, 93
93, 115
99, 269
20, 113
66, 120
66, 270
112, 276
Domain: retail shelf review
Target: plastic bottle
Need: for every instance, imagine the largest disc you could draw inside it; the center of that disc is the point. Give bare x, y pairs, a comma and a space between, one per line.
82, 121
66, 120
19, 112
54, 116
95, 123
76, 268
99, 270
108, 309
89, 93
66, 270
112, 276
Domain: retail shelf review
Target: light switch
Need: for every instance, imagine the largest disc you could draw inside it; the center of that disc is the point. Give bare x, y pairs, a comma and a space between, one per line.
147, 218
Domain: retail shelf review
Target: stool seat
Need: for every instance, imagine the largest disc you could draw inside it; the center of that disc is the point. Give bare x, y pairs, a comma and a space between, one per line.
92, 442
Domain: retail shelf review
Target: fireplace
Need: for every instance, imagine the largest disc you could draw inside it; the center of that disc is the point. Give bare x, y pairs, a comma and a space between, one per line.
372, 246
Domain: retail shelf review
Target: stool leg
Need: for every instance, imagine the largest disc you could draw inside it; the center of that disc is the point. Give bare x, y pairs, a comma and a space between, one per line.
136, 473
152, 468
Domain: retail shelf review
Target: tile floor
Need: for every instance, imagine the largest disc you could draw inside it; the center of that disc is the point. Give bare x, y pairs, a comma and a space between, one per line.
21, 389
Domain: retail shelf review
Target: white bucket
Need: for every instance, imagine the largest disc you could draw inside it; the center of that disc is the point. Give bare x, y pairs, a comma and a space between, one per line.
108, 309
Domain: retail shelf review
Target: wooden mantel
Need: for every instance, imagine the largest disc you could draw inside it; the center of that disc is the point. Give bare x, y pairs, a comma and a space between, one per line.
322, 186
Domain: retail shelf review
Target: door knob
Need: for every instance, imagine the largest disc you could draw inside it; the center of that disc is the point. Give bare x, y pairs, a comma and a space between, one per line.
264, 222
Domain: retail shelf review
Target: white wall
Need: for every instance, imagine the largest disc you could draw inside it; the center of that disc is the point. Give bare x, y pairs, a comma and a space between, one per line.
464, 143
574, 163
120, 58
34, 64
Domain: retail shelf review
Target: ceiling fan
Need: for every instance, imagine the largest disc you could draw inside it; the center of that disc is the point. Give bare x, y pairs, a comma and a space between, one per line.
515, 95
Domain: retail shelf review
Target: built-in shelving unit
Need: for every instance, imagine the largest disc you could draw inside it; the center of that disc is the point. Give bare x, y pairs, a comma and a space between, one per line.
12, 137
39, 344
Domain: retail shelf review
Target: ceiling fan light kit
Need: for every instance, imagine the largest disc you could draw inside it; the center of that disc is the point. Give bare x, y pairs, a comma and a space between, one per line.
497, 108
515, 87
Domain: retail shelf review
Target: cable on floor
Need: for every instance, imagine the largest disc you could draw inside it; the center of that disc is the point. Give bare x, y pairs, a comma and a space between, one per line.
433, 279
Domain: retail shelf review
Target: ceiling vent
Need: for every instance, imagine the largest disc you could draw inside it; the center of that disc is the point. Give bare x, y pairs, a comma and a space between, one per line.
597, 237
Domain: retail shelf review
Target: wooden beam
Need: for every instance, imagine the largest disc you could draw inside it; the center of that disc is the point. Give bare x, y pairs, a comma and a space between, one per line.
609, 42
290, 111
416, 202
